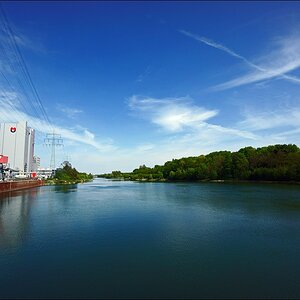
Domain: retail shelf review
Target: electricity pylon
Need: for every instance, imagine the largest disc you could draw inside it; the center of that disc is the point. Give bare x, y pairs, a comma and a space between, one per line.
53, 140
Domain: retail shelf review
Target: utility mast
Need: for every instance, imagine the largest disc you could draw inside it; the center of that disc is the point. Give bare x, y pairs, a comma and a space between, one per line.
53, 140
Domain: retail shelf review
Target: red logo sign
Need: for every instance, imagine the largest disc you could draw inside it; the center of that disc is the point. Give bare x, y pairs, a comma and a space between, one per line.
13, 129
3, 159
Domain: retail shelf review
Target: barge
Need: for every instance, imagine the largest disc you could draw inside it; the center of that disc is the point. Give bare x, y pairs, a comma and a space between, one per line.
15, 185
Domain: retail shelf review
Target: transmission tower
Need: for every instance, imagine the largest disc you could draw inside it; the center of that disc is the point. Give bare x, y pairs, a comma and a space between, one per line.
53, 140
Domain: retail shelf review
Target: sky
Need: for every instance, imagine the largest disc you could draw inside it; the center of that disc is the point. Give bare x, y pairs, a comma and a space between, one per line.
132, 83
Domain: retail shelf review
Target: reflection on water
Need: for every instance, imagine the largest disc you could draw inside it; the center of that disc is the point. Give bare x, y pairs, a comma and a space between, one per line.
15, 209
267, 199
135, 240
66, 188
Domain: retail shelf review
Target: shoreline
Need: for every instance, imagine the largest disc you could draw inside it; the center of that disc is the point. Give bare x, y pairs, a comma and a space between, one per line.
206, 181
65, 182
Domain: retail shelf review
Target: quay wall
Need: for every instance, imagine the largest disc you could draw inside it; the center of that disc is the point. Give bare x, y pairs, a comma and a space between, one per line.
8, 186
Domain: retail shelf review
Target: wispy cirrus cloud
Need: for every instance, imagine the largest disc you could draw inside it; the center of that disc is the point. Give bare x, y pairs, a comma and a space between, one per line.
271, 120
284, 59
216, 45
145, 147
10, 35
144, 75
70, 112
11, 111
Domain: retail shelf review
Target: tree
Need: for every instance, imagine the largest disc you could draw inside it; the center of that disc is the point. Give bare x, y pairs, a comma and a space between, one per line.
240, 166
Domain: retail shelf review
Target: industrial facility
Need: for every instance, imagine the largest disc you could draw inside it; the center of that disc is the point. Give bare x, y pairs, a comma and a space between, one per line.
17, 147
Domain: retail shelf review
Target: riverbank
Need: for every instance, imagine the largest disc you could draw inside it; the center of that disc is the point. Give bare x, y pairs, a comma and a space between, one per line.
55, 181
204, 180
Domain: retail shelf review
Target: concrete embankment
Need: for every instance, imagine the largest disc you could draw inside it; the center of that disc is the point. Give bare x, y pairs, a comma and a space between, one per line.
8, 186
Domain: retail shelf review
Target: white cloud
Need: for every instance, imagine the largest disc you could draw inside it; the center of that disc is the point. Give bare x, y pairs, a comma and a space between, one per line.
9, 99
188, 144
145, 147
271, 119
12, 113
284, 59
69, 111
172, 114
177, 115
194, 140
215, 45
191, 137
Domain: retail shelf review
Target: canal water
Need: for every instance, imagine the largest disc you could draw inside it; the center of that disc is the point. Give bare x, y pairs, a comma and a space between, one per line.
114, 239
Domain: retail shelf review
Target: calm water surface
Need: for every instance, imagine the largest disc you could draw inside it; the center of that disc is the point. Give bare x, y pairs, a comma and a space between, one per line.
126, 239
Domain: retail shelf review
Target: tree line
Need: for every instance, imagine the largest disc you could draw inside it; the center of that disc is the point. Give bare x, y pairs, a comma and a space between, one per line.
270, 163
69, 174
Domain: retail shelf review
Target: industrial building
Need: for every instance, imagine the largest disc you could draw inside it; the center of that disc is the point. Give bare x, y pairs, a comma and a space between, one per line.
36, 164
17, 143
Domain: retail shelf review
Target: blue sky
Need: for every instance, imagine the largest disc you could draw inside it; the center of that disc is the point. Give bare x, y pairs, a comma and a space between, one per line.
128, 83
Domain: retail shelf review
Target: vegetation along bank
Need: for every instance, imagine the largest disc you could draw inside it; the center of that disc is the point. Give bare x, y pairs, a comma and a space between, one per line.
69, 175
270, 163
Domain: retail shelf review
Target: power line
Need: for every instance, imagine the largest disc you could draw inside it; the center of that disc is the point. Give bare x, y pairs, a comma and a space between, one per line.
11, 61
23, 65
15, 60
9, 102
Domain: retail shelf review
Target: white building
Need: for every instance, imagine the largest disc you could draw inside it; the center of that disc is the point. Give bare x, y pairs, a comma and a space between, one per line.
45, 173
17, 142
36, 164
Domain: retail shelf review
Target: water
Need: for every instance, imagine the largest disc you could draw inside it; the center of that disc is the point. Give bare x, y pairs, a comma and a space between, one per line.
143, 240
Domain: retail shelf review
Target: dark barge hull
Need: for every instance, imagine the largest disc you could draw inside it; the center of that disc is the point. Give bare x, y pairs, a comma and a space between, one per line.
16, 185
